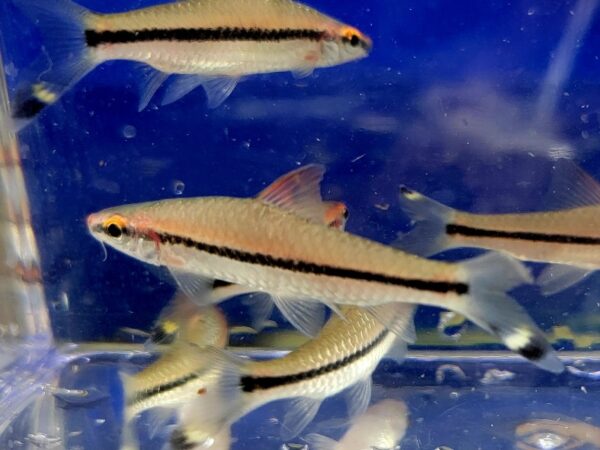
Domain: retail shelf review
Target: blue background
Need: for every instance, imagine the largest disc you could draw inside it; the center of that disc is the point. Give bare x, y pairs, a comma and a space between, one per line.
443, 104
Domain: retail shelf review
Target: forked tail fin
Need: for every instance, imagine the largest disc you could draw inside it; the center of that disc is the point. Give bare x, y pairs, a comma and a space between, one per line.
490, 277
428, 235
67, 56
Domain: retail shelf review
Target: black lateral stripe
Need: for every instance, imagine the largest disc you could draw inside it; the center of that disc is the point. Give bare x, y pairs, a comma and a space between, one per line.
462, 230
251, 384
315, 269
95, 38
221, 284
144, 395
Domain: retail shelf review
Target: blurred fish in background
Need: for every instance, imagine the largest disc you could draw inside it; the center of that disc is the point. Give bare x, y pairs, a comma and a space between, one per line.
381, 427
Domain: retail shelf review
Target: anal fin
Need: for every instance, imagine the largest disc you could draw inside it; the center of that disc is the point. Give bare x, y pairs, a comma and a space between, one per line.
300, 413
558, 277
151, 81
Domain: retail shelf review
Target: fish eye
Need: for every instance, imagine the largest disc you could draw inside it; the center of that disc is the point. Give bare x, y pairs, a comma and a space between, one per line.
114, 230
354, 40
115, 227
345, 213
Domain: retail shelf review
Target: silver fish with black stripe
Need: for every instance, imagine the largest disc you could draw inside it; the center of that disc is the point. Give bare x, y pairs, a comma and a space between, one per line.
341, 358
277, 243
209, 43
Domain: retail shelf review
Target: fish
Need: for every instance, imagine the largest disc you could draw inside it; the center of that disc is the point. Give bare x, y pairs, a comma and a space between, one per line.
158, 387
186, 321
381, 427
341, 358
567, 237
209, 43
162, 388
278, 244
191, 322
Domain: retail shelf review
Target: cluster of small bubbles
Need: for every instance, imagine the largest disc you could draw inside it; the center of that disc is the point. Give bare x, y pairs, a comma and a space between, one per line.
178, 187
129, 131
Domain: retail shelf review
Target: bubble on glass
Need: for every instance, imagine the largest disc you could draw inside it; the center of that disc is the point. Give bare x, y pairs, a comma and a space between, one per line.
129, 131
531, 11
62, 303
494, 376
41, 440
178, 187
77, 396
449, 371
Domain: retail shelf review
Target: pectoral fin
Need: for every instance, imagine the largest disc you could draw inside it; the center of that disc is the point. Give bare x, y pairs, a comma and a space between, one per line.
358, 397
305, 315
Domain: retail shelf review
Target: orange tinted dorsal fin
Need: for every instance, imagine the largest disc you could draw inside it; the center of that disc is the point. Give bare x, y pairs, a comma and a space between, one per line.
299, 192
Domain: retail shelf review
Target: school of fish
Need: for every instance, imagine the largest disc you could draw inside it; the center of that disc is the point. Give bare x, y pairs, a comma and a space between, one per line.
287, 247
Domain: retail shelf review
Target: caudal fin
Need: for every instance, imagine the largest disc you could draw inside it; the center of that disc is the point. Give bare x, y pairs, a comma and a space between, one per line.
488, 305
429, 218
66, 56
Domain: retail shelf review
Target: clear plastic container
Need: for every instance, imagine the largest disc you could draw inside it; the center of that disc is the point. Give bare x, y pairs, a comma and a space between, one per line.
469, 103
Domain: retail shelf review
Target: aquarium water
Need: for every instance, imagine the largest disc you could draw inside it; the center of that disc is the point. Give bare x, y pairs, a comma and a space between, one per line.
469, 102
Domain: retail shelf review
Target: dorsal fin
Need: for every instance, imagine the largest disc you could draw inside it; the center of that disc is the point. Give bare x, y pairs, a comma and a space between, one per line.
299, 192
571, 187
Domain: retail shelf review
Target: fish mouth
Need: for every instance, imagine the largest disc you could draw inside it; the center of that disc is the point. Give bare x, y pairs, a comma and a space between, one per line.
366, 43
93, 224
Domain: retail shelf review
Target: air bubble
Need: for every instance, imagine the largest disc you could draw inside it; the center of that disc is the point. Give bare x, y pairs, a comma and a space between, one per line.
129, 131
178, 187
531, 11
